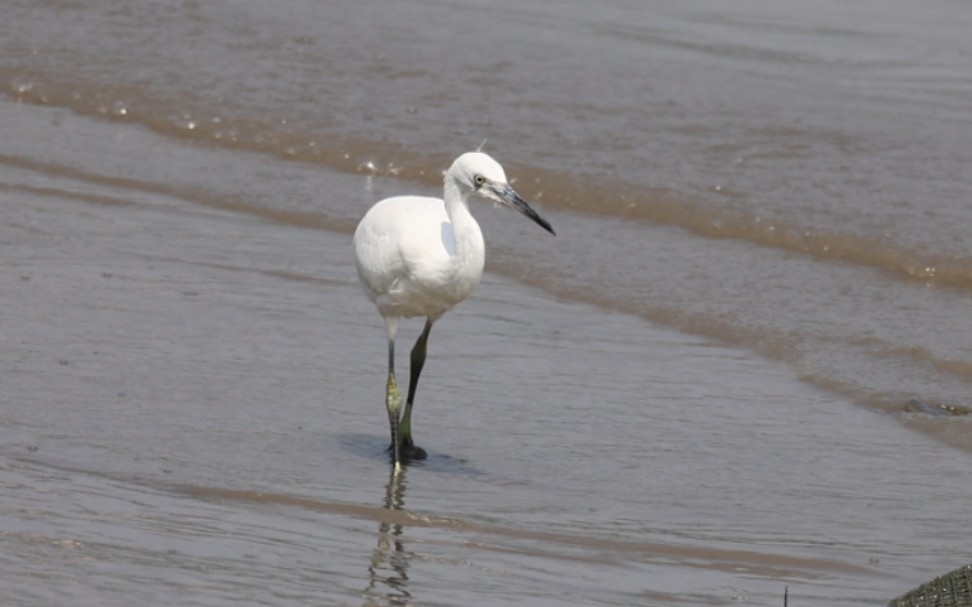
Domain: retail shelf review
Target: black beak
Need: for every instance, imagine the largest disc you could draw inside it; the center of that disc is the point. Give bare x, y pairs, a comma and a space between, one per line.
507, 196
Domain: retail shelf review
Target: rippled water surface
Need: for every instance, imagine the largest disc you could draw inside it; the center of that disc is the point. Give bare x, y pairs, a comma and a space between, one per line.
743, 364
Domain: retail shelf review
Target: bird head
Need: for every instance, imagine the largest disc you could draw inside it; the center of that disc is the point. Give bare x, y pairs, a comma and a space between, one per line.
477, 174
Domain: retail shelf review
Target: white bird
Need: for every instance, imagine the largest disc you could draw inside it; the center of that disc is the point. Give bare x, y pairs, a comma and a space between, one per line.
421, 256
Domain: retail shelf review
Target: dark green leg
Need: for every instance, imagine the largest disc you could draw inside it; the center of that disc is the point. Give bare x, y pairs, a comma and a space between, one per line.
408, 447
393, 401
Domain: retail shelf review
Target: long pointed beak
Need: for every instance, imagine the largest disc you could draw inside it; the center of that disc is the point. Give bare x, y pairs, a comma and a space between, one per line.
507, 196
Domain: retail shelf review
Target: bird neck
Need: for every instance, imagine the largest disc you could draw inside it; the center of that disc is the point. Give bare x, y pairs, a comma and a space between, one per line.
456, 205
464, 225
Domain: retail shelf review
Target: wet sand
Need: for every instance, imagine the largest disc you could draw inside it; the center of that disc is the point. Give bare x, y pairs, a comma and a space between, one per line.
192, 414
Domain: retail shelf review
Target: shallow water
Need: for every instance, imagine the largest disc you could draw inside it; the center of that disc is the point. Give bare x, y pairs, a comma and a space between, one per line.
660, 405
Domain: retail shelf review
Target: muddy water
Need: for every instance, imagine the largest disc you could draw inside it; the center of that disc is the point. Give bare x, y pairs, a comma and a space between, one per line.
762, 226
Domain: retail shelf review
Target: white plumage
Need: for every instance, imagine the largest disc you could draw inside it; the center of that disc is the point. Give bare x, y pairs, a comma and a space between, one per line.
410, 260
420, 256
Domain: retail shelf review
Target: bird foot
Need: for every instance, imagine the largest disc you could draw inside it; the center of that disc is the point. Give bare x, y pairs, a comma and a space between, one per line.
409, 451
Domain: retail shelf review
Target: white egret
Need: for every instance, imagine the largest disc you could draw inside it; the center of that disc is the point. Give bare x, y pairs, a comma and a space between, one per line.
420, 256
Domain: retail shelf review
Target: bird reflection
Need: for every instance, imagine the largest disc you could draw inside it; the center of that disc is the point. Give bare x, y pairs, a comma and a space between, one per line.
388, 572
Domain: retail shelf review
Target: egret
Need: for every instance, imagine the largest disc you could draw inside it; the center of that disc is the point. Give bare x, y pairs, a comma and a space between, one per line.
420, 256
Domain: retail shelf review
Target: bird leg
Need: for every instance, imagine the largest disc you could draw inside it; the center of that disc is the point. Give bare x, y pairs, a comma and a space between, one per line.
410, 450
393, 402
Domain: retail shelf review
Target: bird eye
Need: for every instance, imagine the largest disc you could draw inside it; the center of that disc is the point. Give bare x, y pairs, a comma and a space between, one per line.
480, 180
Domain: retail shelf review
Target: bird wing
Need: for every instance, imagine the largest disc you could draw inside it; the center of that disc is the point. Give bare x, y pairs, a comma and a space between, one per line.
398, 238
